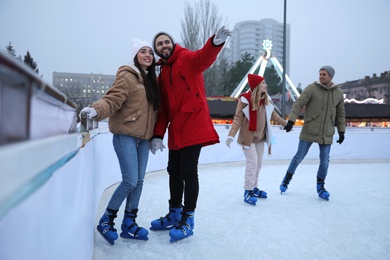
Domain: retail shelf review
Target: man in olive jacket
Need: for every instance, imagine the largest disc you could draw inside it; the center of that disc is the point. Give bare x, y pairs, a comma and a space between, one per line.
324, 110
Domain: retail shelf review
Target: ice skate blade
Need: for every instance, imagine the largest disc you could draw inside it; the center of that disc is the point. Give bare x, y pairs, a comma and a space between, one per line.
250, 203
129, 236
174, 240
324, 198
109, 241
282, 190
161, 229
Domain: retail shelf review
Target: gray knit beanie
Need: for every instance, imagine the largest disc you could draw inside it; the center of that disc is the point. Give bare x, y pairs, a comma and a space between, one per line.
159, 34
329, 69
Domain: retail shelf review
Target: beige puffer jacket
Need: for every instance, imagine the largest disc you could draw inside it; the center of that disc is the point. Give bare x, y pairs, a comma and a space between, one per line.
126, 105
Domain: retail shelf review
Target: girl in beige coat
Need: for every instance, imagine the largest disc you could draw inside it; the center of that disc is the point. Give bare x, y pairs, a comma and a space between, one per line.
253, 118
131, 104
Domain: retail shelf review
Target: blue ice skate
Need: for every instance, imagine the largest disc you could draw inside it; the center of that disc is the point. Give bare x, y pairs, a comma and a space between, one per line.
249, 197
130, 228
168, 222
184, 229
106, 226
259, 193
286, 181
322, 192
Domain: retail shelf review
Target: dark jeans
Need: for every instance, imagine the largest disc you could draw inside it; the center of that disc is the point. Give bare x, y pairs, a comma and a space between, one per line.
183, 177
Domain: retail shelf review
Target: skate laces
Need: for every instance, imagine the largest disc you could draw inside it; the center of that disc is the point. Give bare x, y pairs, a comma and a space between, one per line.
166, 217
184, 226
109, 223
134, 225
321, 187
248, 195
286, 180
110, 226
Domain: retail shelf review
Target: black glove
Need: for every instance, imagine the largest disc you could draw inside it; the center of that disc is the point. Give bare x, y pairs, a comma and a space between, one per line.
341, 137
289, 126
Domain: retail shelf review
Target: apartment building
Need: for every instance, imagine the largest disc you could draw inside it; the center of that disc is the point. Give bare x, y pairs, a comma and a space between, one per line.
249, 36
77, 85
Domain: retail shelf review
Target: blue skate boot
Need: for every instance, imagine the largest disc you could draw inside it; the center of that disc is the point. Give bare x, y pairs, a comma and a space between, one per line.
106, 226
249, 197
184, 229
286, 181
130, 228
259, 193
322, 192
168, 222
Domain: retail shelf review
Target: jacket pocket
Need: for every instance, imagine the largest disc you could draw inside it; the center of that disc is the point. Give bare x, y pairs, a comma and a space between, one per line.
192, 107
311, 118
330, 128
312, 125
132, 117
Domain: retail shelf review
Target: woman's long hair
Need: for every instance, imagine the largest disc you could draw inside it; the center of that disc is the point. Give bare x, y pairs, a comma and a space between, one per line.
150, 83
256, 96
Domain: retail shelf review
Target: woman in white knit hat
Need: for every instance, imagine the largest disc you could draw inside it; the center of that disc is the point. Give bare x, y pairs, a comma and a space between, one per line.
131, 105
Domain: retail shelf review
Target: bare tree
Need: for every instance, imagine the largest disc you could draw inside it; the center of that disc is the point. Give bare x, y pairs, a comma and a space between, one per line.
201, 22
190, 28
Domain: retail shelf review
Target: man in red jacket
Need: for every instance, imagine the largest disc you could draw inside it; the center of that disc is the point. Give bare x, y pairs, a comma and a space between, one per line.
184, 111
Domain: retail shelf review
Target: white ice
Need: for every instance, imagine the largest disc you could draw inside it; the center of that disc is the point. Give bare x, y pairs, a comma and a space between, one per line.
353, 224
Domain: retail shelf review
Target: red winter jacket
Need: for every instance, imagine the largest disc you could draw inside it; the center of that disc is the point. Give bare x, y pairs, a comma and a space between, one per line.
184, 109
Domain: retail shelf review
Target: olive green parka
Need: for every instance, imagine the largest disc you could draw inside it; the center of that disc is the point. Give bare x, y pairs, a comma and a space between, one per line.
323, 111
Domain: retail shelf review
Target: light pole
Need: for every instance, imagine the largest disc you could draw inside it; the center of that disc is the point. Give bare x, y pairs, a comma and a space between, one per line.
284, 61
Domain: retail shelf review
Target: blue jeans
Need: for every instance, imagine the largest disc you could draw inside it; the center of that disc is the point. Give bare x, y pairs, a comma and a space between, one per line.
133, 154
303, 149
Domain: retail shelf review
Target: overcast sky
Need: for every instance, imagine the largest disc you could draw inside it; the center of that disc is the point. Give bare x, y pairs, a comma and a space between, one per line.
94, 36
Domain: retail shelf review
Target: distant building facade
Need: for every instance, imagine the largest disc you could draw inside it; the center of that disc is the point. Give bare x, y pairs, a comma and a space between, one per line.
376, 87
248, 36
82, 85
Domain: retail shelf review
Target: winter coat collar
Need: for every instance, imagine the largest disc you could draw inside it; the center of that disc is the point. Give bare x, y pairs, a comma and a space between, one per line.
322, 85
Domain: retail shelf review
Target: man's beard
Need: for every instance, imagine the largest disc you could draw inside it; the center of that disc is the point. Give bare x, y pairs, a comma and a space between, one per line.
165, 56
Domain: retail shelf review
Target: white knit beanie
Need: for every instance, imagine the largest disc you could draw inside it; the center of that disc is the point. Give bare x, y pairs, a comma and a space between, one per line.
136, 45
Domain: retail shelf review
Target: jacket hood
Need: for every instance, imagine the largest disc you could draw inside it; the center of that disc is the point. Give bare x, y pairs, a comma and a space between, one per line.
129, 68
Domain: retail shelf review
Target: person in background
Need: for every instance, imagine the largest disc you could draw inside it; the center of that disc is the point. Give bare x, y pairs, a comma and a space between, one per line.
253, 117
324, 111
184, 111
131, 104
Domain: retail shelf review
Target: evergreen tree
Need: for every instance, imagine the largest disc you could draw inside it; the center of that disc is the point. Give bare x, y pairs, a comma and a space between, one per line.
10, 49
273, 81
30, 62
233, 76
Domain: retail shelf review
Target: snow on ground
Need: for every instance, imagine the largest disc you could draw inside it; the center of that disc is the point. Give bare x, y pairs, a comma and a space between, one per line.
353, 224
